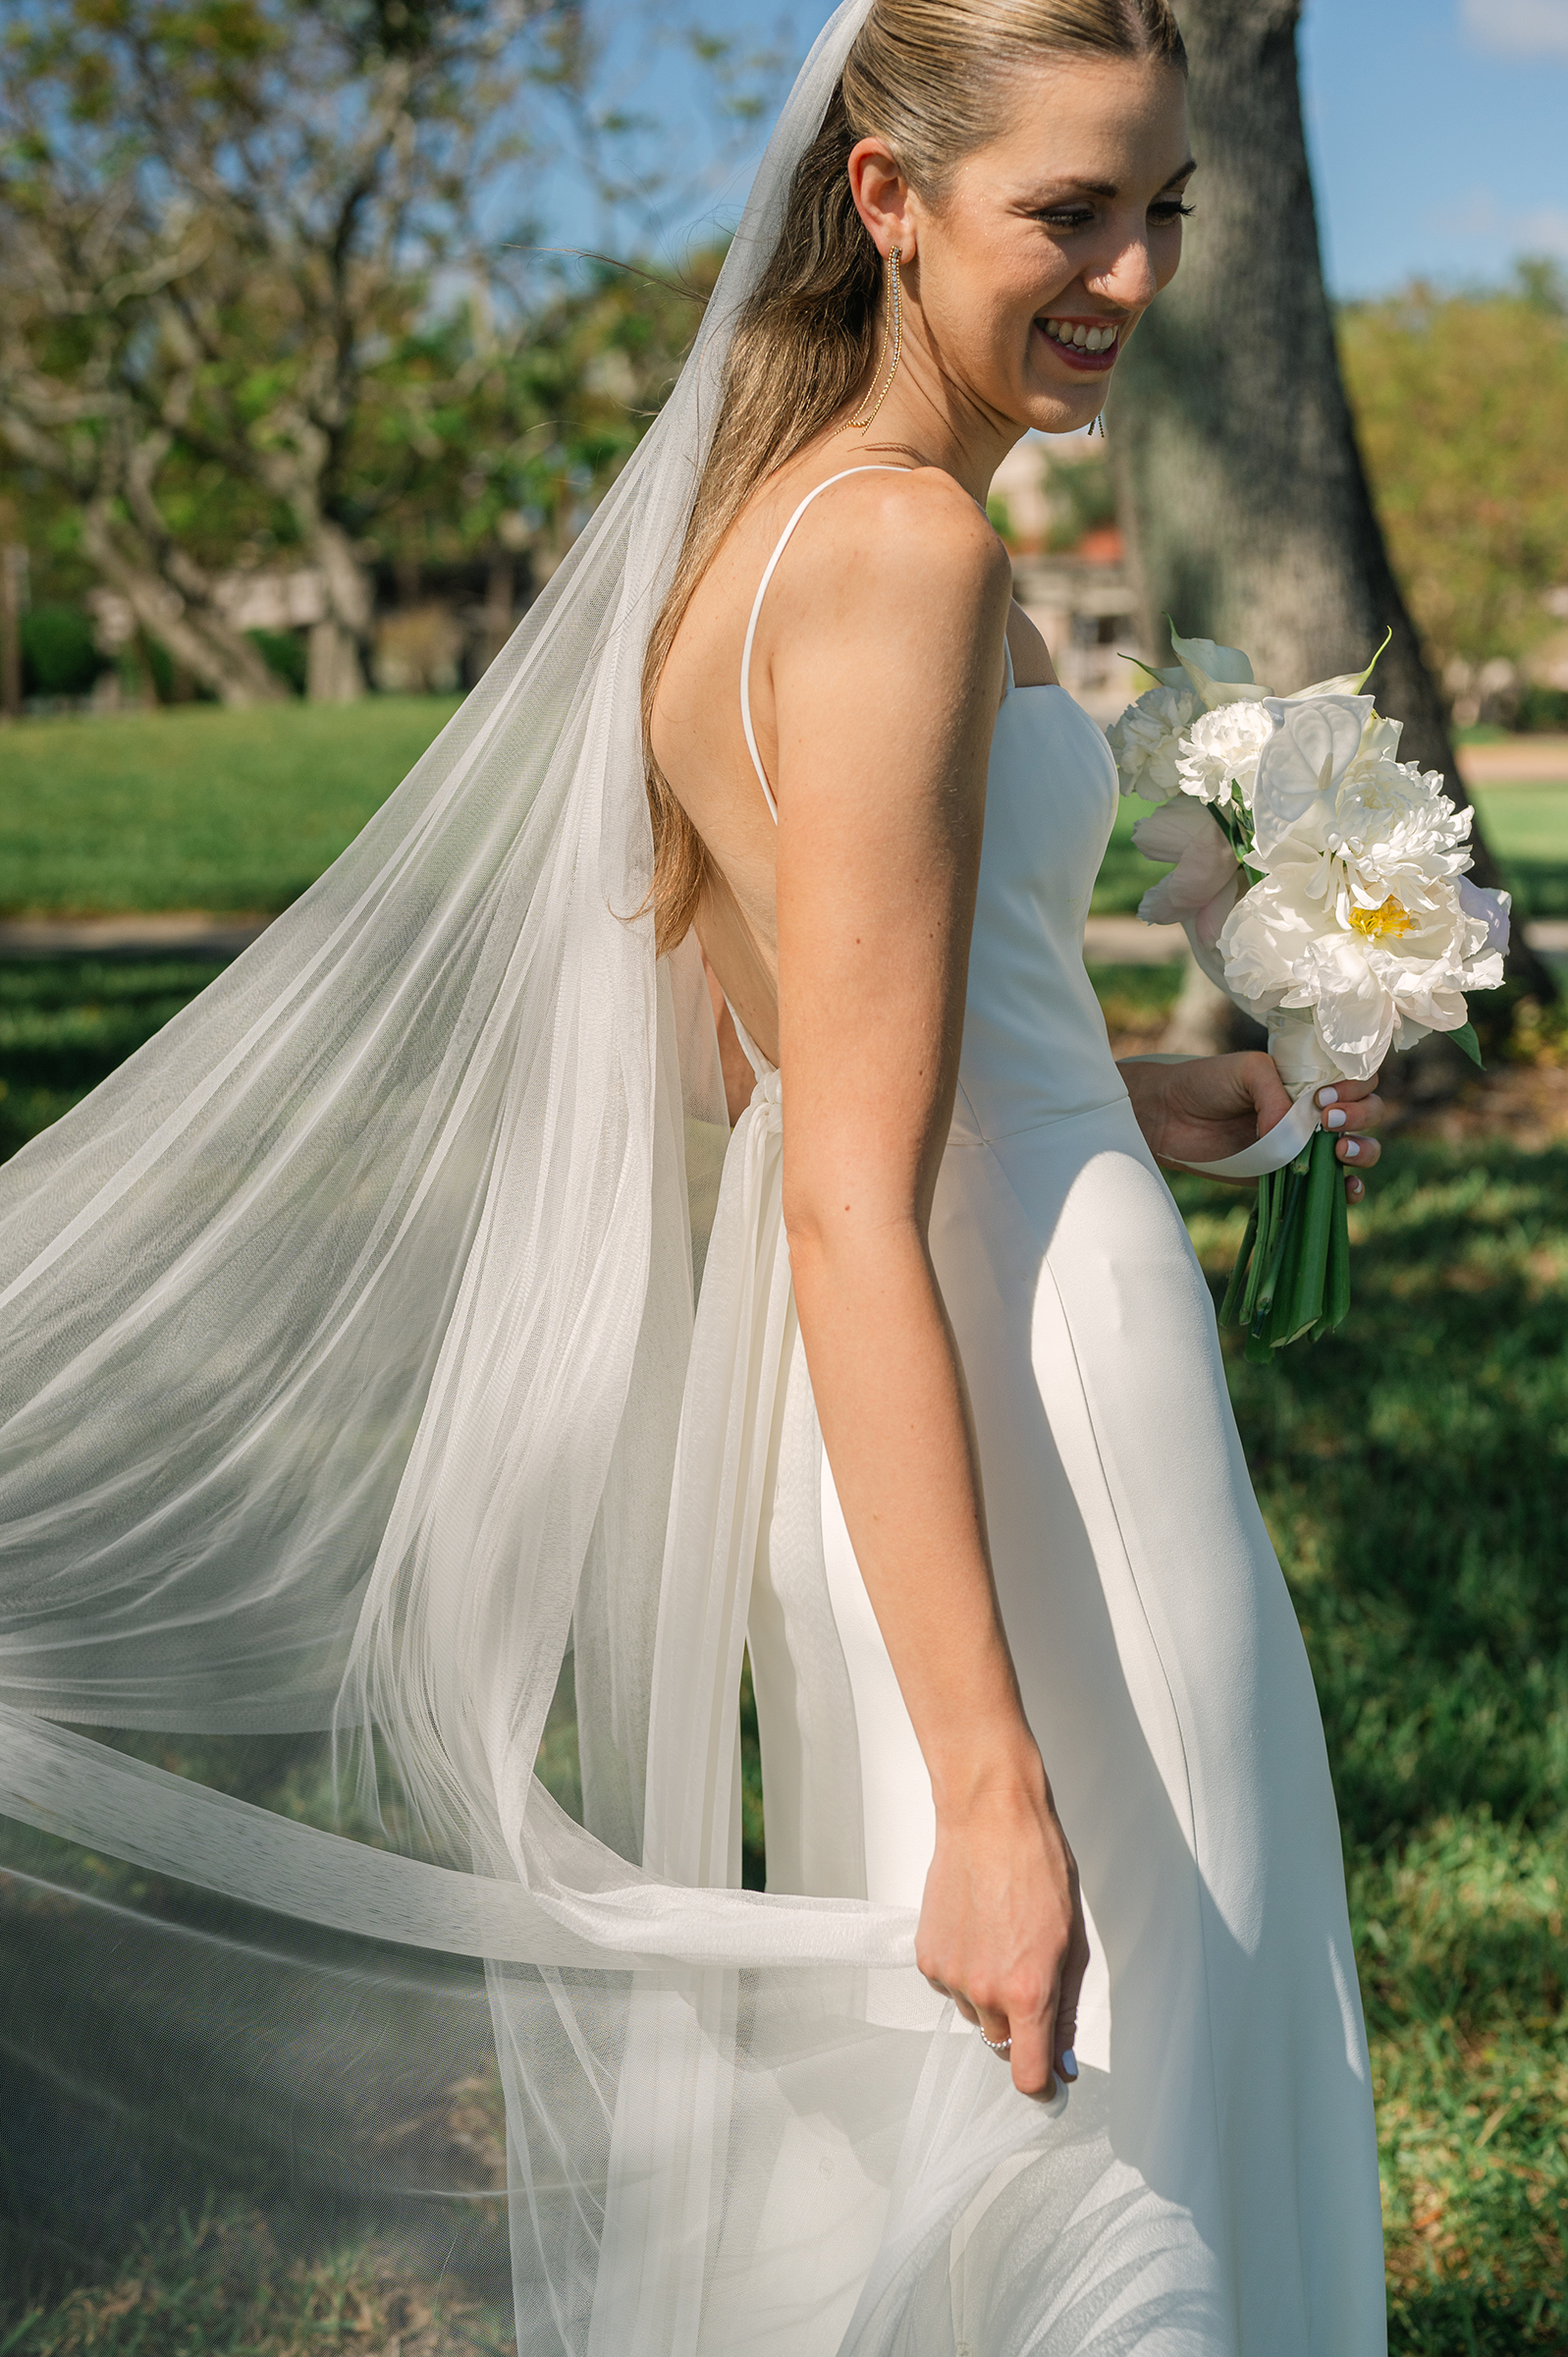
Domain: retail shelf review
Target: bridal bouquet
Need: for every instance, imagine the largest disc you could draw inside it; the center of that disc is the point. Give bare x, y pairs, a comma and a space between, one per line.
1321, 882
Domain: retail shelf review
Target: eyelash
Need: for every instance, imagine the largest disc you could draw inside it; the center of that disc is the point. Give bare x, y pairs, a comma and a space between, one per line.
1173, 209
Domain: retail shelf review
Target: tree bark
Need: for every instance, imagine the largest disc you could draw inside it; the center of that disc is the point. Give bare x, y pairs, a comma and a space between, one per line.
335, 661
12, 563
1239, 479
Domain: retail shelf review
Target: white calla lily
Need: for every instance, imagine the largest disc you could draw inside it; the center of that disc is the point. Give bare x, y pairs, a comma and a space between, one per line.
1220, 675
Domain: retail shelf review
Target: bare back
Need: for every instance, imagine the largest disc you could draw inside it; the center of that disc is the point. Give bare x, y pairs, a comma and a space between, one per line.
698, 734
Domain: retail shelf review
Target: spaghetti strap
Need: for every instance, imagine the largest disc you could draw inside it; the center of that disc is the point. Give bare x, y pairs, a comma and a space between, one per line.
756, 608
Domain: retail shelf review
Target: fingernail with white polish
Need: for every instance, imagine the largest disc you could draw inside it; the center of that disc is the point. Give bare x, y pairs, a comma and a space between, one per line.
1351, 1149
1334, 1121
1068, 2065
1327, 1096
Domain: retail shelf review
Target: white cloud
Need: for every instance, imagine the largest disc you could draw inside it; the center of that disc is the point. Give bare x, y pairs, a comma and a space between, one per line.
1481, 220
1545, 230
1517, 27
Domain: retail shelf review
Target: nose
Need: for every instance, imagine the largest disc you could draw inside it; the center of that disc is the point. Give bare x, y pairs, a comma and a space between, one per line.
1124, 274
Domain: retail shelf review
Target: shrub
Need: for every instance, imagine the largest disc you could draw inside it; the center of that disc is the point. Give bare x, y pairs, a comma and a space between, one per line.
59, 651
1545, 708
284, 654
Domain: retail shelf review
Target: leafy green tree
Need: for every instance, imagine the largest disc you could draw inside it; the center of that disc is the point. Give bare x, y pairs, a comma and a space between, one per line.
253, 296
1460, 403
207, 210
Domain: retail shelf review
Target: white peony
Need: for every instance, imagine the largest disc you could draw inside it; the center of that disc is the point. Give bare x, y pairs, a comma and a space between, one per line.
1363, 915
1222, 748
1145, 741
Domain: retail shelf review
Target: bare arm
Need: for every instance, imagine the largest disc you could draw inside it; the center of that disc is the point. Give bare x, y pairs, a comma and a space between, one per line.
885, 680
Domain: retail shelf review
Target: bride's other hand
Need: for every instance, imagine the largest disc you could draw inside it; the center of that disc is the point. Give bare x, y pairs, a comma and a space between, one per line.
1212, 1106
1001, 1927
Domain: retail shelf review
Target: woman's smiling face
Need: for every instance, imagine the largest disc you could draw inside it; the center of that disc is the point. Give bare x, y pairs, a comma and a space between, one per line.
1034, 264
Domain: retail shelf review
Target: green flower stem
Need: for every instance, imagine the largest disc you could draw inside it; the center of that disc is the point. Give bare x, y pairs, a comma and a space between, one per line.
1337, 1288
1268, 1187
1307, 1298
1238, 1274
1287, 1185
1292, 1274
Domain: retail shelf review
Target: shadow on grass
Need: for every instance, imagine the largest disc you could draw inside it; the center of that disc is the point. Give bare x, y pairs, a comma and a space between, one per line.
1414, 1472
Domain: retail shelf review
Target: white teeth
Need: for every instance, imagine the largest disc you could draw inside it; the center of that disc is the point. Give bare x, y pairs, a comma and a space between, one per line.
1080, 337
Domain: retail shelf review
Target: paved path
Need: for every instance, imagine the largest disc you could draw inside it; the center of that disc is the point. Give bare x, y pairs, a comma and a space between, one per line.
1521, 761
197, 933
184, 933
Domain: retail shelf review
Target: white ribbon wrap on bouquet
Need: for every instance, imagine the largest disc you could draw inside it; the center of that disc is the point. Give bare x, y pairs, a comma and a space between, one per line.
1304, 1069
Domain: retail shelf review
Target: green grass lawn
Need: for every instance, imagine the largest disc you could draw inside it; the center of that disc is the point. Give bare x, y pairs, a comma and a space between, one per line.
202, 808
196, 807
1414, 1472
1526, 827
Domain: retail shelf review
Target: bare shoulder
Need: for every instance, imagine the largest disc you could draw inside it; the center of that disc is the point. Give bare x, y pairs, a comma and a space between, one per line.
920, 516
908, 543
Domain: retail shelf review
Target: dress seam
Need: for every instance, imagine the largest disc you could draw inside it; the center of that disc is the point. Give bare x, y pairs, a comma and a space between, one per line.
1047, 1272
1053, 1120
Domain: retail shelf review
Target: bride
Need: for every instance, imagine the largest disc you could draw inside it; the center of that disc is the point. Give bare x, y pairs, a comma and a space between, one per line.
351, 1373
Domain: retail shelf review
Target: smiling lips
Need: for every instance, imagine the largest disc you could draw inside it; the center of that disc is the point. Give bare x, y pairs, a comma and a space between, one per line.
1091, 344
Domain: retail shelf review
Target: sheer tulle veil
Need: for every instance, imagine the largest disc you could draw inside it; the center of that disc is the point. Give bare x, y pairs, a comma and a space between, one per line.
346, 1334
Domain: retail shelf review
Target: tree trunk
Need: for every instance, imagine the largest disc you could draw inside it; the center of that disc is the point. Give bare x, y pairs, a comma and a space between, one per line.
339, 643
198, 641
1239, 479
13, 572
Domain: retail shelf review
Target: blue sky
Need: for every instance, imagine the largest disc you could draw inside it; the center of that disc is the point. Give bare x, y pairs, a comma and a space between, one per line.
1439, 131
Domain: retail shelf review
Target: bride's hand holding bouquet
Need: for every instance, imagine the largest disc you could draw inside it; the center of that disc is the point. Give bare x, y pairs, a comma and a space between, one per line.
1320, 882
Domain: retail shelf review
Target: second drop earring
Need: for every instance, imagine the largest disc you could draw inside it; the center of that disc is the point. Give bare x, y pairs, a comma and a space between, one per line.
892, 337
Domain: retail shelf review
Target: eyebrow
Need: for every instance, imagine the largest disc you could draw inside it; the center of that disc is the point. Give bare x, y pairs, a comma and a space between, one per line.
1109, 187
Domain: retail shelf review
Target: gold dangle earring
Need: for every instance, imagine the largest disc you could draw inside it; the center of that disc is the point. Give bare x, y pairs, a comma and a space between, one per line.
892, 335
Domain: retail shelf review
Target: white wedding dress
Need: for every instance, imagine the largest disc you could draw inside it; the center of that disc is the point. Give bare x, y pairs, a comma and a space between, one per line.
1211, 2184
352, 1380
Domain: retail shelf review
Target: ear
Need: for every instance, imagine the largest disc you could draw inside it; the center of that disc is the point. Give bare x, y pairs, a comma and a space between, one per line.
882, 198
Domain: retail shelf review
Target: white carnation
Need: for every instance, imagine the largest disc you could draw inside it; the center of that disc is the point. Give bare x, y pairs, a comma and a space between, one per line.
1222, 749
1145, 740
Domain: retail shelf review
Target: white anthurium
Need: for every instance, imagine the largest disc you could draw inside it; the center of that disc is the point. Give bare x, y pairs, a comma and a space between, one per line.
1146, 739
1222, 749
1305, 762
1203, 883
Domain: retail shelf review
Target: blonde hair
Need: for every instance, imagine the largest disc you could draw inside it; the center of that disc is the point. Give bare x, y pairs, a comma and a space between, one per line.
922, 76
